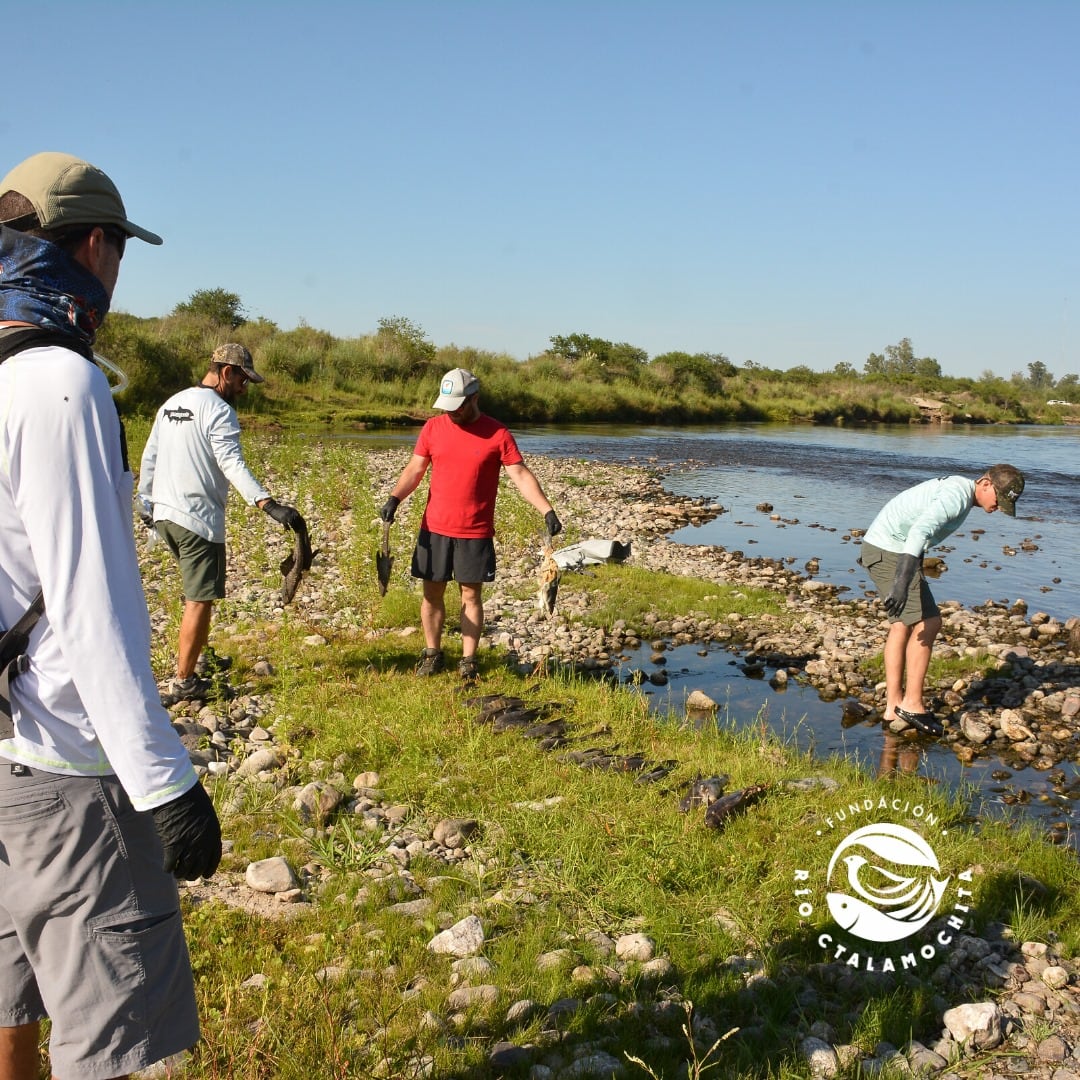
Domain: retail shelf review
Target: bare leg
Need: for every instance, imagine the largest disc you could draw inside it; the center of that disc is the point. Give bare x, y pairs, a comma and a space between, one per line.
194, 633
433, 613
472, 617
920, 645
19, 1059
895, 655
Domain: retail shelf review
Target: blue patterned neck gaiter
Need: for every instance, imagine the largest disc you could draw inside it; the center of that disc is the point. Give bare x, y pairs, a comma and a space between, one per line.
43, 285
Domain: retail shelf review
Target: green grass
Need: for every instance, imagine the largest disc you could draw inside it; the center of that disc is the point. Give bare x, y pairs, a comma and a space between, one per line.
349, 988
610, 856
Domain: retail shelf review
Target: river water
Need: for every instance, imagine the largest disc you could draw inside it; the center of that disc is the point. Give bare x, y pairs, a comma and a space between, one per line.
821, 483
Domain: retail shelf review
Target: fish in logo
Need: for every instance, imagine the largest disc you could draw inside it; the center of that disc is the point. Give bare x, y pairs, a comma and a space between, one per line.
894, 888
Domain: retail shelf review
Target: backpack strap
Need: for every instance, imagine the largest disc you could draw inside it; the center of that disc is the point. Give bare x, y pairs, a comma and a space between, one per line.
13, 660
14, 339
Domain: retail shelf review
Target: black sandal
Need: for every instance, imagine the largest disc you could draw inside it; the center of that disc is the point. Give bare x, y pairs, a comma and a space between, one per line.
926, 722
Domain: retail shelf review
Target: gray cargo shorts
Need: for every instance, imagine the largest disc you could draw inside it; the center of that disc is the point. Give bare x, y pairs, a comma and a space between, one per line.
90, 927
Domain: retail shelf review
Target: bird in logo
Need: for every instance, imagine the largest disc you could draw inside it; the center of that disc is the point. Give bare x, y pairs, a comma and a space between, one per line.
886, 904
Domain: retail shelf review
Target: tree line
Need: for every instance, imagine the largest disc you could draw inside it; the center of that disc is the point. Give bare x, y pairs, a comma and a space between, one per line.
386, 377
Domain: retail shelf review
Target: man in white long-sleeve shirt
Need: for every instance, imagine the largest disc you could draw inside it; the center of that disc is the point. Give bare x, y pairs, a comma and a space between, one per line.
192, 456
90, 929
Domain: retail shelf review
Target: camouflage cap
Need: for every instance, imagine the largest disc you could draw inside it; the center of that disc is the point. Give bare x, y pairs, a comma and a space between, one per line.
66, 191
237, 356
1008, 482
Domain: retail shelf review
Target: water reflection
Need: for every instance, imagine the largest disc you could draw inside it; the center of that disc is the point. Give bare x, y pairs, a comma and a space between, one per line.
898, 756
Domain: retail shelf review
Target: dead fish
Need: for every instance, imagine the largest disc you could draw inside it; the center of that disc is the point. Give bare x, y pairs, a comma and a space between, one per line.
384, 561
296, 563
493, 704
717, 813
703, 791
552, 732
549, 579
657, 772
507, 719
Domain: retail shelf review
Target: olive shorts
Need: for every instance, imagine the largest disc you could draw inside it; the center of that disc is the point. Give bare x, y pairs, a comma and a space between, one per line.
881, 566
202, 562
90, 927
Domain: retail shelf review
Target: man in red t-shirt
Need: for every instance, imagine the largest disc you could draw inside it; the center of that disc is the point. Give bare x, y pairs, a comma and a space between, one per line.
465, 450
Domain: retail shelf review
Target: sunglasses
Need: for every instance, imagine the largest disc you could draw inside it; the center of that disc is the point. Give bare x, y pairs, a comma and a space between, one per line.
116, 237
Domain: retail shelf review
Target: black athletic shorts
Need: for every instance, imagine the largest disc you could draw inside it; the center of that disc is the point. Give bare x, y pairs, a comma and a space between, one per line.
447, 558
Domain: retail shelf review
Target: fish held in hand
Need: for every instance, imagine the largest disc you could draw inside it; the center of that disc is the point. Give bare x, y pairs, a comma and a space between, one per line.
384, 561
549, 580
296, 563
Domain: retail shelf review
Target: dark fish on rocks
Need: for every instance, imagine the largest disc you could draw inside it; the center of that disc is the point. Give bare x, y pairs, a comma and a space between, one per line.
384, 561
296, 563
718, 812
703, 791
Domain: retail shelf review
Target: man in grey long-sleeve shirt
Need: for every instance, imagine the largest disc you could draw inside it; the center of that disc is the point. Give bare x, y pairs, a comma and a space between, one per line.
192, 456
906, 527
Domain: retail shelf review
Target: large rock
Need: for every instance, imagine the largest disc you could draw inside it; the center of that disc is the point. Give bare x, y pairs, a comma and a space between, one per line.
273, 875
975, 1026
465, 938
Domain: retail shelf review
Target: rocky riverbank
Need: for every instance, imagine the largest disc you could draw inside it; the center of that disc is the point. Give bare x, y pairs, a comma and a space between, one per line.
1020, 1000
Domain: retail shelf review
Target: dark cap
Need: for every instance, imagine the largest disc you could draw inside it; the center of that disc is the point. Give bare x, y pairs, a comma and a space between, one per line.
1008, 482
66, 191
237, 356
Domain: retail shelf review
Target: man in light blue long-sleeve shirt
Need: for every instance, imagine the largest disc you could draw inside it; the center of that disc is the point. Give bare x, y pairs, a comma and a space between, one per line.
892, 553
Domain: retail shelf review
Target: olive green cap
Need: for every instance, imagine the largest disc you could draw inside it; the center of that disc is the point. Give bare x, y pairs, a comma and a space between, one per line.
66, 191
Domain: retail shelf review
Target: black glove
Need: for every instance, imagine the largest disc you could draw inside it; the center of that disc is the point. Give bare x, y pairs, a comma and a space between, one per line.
190, 834
906, 565
389, 509
145, 509
554, 525
288, 516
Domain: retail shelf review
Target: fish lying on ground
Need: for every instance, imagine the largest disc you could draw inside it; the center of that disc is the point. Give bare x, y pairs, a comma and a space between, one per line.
384, 561
549, 580
296, 564
494, 704
703, 791
597, 758
718, 812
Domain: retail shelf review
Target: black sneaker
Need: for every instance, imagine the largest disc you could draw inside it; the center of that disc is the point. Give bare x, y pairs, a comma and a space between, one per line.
210, 662
193, 688
431, 662
469, 670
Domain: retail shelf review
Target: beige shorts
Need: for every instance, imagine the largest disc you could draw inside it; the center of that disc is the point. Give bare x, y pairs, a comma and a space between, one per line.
90, 928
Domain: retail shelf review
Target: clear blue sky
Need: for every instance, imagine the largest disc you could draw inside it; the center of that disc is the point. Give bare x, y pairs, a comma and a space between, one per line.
785, 183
